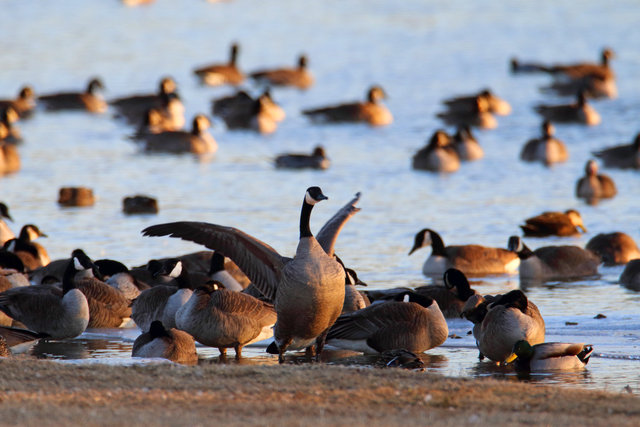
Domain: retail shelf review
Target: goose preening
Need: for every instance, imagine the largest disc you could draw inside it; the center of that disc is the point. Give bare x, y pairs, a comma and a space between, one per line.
554, 262
223, 319
626, 156
467, 103
166, 343
546, 149
466, 145
438, 155
371, 111
614, 248
218, 273
479, 116
594, 186
353, 299
502, 320
567, 223
5, 231
474, 260
133, 108
578, 112
630, 276
298, 76
307, 290
221, 74
197, 141
316, 160
90, 100
23, 104
550, 356
32, 254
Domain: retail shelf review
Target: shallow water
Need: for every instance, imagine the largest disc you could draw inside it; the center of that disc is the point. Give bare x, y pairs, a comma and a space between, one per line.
420, 52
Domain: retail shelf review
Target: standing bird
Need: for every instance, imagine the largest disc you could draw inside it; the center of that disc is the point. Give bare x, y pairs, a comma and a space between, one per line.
89, 100
578, 112
308, 290
567, 223
221, 74
594, 186
546, 149
299, 76
625, 156
438, 155
166, 343
550, 356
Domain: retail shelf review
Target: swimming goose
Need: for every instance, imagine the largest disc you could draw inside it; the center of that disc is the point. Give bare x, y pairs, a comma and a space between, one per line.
578, 112
502, 320
438, 155
48, 310
299, 77
545, 149
554, 262
165, 343
10, 337
198, 141
473, 260
630, 277
5, 231
221, 74
23, 104
9, 156
11, 133
32, 254
241, 111
567, 223
88, 100
594, 186
412, 322
614, 248
479, 116
371, 111
308, 290
621, 156
550, 356
467, 104
221, 318
316, 160
466, 145
133, 107
585, 69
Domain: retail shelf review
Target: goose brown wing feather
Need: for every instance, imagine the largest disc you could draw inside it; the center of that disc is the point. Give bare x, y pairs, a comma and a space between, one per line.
364, 323
15, 336
245, 305
329, 232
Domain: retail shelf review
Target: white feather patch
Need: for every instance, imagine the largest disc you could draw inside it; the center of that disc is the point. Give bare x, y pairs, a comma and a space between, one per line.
176, 270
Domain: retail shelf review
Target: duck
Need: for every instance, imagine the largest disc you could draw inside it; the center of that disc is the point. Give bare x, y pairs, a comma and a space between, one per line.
502, 320
438, 155
626, 156
594, 186
630, 276
32, 254
299, 77
197, 141
45, 309
567, 223
139, 204
467, 103
12, 337
316, 160
554, 262
24, 104
479, 116
466, 145
5, 231
412, 322
132, 108
222, 74
76, 196
11, 133
166, 343
550, 356
220, 318
546, 149
615, 248
371, 111
88, 100
578, 112
472, 260
307, 290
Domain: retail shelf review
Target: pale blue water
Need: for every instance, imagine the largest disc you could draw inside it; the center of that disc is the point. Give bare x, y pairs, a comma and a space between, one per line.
420, 52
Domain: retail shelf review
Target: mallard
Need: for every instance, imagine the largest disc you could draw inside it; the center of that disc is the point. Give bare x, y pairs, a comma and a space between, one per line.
550, 356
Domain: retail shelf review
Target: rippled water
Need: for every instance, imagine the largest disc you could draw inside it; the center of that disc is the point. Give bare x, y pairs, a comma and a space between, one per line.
420, 52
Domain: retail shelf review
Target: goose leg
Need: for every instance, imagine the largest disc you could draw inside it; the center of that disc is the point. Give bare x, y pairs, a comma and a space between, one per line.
282, 348
320, 343
309, 353
238, 349
223, 353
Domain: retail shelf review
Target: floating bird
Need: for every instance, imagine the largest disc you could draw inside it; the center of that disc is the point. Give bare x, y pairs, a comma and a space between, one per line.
550, 356
197, 141
466, 145
594, 186
316, 160
10, 134
630, 276
9, 156
467, 104
479, 116
567, 223
171, 344
546, 149
438, 155
614, 248
133, 108
23, 104
625, 156
241, 111
221, 74
578, 112
299, 76
76, 196
88, 100
139, 204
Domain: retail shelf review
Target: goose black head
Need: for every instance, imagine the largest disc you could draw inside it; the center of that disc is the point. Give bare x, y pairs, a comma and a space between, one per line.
157, 330
171, 267
513, 299
94, 85
30, 232
4, 212
167, 85
410, 296
314, 195
421, 239
454, 278
302, 61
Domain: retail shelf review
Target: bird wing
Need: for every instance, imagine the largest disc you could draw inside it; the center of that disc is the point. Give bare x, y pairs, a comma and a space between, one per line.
244, 305
329, 232
557, 349
364, 323
15, 336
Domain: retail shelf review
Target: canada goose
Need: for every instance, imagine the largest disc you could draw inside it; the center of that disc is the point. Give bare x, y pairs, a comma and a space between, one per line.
9, 156
5, 231
308, 290
10, 337
241, 111
45, 309
221, 318
438, 155
585, 69
88, 100
299, 77
118, 276
32, 254
621, 156
578, 112
466, 104
218, 273
165, 343
452, 296
316, 160
353, 299
198, 141
517, 66
139, 204
502, 320
24, 103
11, 133
12, 271
221, 74
412, 322
466, 145
479, 116
554, 262
614, 248
545, 149
567, 223
630, 277
371, 111
473, 260
132, 108
550, 356
169, 116
593, 86
76, 196
594, 186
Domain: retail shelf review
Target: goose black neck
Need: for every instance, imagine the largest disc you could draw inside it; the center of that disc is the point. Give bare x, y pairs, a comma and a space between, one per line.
68, 277
184, 279
305, 231
437, 245
217, 263
525, 252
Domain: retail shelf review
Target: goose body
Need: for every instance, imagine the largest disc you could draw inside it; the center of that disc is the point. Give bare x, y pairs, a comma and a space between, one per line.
567, 223
585, 69
10, 133
545, 149
577, 112
133, 107
479, 116
9, 156
198, 141
630, 276
165, 343
241, 111
299, 77
614, 248
5, 231
32, 254
316, 160
89, 100
550, 356
438, 155
470, 259
466, 145
467, 104
594, 186
221, 74
451, 297
625, 156
23, 104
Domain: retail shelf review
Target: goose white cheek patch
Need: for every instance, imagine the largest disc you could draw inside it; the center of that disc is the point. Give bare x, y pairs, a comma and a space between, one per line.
176, 270
406, 298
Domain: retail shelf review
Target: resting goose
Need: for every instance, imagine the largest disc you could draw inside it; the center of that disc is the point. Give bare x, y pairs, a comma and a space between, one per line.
412, 322
5, 231
466, 145
550, 356
502, 320
198, 141
88, 100
625, 156
467, 104
594, 186
438, 155
299, 76
165, 343
308, 290
32, 254
470, 259
614, 248
554, 262
479, 116
221, 74
133, 108
23, 104
567, 223
545, 149
578, 112
316, 160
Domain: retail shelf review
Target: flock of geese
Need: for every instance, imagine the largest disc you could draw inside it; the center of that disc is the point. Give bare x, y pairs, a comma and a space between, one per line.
243, 291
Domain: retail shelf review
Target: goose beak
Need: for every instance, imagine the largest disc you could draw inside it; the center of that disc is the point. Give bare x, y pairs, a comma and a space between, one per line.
583, 228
